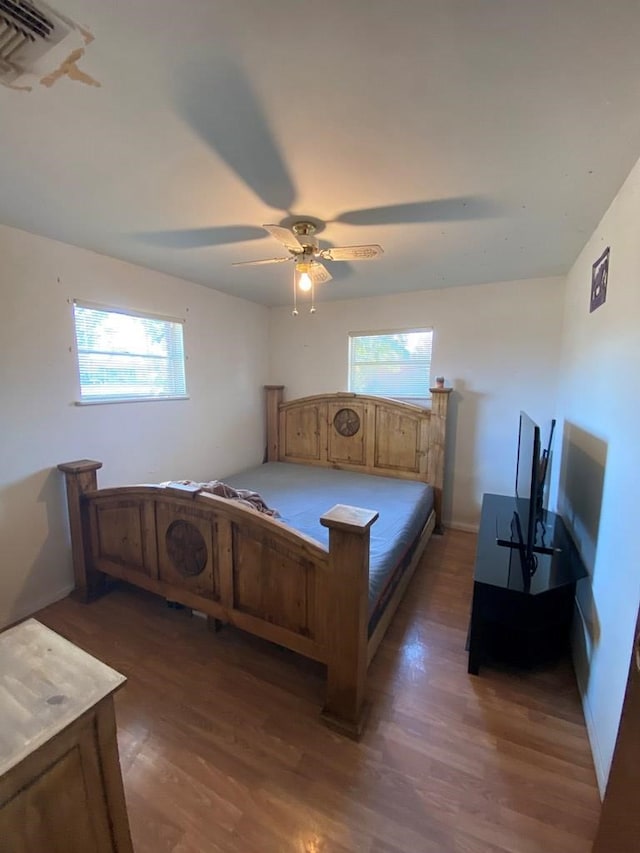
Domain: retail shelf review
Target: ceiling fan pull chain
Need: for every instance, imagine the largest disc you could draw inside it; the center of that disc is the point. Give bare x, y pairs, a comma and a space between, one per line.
294, 313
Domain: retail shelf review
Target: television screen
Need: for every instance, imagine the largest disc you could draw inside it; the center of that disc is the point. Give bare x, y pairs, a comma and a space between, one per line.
527, 471
527, 529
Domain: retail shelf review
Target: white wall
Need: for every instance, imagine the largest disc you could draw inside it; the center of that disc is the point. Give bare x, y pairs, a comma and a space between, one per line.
597, 481
218, 430
496, 344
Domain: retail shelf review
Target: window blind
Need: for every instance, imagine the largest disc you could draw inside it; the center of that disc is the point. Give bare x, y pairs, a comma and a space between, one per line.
392, 364
128, 356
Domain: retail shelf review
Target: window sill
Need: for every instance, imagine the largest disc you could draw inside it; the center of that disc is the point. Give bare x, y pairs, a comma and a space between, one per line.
101, 401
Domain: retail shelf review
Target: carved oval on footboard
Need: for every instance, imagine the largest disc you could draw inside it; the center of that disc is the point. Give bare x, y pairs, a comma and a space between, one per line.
186, 548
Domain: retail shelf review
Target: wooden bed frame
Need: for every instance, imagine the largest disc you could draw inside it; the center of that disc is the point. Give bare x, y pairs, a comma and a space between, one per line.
243, 567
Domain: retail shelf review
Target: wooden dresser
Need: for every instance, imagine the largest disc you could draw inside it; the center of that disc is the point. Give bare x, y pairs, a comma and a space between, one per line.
60, 782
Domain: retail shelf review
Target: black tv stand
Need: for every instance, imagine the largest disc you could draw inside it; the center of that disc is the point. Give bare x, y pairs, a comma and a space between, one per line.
519, 615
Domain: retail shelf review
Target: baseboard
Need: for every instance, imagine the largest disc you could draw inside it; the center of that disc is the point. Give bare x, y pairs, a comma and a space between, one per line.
28, 610
581, 669
463, 526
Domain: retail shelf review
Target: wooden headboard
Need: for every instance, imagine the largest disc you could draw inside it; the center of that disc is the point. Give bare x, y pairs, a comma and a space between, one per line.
355, 432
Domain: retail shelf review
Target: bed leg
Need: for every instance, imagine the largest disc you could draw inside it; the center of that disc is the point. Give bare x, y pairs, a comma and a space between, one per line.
214, 625
81, 477
347, 610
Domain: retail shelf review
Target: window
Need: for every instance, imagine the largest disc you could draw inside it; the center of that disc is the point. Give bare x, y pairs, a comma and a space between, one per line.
123, 355
391, 364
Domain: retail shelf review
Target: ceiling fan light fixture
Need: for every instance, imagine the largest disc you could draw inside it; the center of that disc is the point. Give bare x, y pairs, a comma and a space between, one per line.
304, 282
304, 279
304, 250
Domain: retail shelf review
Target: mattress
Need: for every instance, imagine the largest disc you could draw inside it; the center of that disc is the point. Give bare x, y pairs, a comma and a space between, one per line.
302, 493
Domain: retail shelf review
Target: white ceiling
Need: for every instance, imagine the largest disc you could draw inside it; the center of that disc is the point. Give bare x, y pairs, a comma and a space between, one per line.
511, 124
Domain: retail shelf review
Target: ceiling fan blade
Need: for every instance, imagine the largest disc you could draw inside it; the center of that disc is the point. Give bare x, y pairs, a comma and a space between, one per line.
196, 238
341, 271
263, 261
284, 236
319, 274
217, 100
434, 210
353, 253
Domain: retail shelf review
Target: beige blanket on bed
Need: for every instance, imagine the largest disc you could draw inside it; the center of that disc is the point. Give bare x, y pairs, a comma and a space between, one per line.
223, 490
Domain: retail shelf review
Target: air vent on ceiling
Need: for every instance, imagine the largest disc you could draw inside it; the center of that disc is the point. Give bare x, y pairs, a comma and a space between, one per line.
27, 33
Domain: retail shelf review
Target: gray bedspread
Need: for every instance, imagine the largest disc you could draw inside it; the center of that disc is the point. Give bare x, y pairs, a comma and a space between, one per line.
302, 493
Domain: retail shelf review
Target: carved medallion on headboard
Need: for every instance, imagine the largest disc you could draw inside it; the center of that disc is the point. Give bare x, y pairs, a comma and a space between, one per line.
346, 422
347, 432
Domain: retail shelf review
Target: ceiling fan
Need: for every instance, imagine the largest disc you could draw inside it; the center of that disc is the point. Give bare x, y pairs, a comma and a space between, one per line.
218, 102
303, 248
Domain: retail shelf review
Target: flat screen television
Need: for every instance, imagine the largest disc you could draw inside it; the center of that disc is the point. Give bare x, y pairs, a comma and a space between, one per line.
527, 478
531, 474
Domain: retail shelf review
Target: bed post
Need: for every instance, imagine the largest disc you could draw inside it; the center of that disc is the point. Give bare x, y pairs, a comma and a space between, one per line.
81, 477
347, 614
274, 398
437, 437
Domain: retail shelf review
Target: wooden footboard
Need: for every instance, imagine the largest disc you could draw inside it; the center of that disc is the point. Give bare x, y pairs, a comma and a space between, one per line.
236, 565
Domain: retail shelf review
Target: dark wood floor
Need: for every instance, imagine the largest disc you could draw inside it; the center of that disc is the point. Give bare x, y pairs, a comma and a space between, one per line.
222, 749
